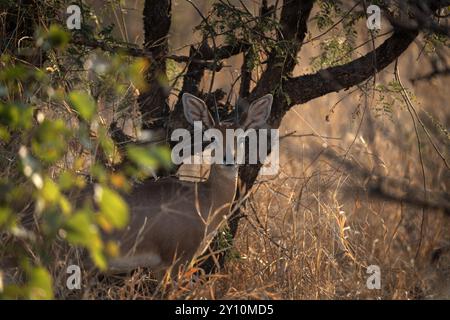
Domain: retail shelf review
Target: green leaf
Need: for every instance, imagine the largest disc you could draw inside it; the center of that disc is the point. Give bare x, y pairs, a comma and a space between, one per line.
55, 37
113, 208
14, 72
142, 157
5, 136
50, 191
66, 180
16, 115
99, 259
106, 142
50, 141
164, 156
136, 73
83, 103
80, 230
40, 286
7, 219
99, 173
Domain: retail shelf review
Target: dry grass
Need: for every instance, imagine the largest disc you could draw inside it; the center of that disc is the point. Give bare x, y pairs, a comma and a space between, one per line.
305, 236
312, 231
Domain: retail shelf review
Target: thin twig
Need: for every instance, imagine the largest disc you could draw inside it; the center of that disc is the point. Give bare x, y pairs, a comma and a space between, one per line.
419, 145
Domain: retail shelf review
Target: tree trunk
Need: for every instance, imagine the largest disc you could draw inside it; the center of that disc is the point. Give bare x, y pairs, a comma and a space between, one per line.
153, 103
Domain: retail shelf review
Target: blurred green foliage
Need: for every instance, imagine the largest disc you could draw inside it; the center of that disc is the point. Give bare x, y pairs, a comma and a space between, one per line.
43, 118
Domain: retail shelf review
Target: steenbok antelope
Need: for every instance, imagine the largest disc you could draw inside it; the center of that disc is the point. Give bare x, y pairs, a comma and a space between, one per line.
170, 219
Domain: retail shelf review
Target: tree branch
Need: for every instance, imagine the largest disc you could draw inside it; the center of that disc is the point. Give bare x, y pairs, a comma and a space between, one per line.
307, 87
293, 20
191, 83
294, 16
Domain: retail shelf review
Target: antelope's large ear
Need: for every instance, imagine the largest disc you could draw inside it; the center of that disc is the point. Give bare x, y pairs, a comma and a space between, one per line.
258, 112
195, 109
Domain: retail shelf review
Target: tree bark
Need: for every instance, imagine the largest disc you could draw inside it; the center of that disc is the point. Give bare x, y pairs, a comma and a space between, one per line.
153, 103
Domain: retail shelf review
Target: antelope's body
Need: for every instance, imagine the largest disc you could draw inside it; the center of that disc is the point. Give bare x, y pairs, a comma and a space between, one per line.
172, 220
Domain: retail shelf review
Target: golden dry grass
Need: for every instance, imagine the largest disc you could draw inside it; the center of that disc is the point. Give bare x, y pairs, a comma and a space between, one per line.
307, 235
